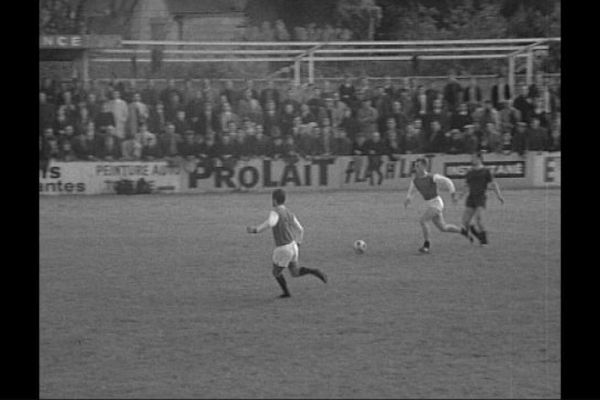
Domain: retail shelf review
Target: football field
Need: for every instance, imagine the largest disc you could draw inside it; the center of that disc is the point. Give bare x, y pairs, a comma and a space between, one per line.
167, 296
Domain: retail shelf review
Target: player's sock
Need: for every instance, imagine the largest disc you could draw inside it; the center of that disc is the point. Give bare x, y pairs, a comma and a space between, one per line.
426, 244
476, 233
283, 284
465, 232
484, 238
312, 271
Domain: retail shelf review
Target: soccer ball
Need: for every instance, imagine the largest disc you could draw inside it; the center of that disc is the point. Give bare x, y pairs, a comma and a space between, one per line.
360, 246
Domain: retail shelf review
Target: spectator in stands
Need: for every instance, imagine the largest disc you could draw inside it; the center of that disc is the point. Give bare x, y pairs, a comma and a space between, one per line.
461, 118
208, 92
334, 109
52, 149
556, 133
110, 146
290, 150
167, 93
439, 114
173, 107
271, 118
120, 111
348, 92
376, 148
350, 124
208, 121
262, 144
492, 139
341, 145
229, 92
436, 138
470, 140
93, 105
150, 149
452, 94
281, 32
181, 123
421, 102
255, 112
82, 119
487, 114
394, 144
187, 147
416, 141
66, 152
367, 118
306, 114
131, 147
227, 115
500, 92
540, 113
138, 113
188, 92
212, 149
472, 95
228, 152
524, 104
509, 116
169, 140
194, 107
270, 93
47, 112
85, 145
455, 141
382, 103
537, 136
105, 118
149, 94
328, 91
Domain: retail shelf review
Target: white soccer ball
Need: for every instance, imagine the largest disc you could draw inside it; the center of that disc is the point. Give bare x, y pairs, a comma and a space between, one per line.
360, 246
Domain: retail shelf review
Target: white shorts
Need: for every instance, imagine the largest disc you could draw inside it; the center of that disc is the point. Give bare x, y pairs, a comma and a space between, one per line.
283, 255
436, 203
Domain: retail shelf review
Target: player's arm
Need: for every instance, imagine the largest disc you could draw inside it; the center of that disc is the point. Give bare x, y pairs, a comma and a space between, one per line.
440, 179
268, 223
300, 230
496, 189
409, 194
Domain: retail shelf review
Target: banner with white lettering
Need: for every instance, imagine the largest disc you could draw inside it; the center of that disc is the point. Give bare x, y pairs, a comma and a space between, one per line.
100, 178
547, 170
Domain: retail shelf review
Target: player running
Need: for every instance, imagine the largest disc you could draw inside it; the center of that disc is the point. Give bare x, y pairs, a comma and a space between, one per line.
427, 185
284, 223
477, 182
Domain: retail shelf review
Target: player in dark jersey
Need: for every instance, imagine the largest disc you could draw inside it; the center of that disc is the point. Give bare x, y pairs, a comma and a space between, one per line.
477, 181
288, 235
426, 184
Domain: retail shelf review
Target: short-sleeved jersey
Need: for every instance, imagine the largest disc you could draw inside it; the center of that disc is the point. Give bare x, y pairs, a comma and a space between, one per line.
478, 180
427, 186
283, 231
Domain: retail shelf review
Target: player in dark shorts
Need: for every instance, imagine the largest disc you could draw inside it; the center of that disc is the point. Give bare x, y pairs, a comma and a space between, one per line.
288, 234
477, 181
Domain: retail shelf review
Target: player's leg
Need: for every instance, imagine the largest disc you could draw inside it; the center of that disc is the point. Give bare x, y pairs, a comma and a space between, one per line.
466, 222
438, 221
282, 256
297, 271
425, 218
480, 227
278, 274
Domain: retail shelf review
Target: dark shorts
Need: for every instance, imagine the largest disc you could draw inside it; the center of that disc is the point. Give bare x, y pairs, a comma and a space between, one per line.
476, 201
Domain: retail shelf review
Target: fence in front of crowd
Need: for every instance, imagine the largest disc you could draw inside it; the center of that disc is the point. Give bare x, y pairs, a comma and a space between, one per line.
294, 54
534, 169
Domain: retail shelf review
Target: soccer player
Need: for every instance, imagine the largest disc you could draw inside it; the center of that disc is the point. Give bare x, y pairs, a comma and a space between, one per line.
285, 225
427, 185
477, 181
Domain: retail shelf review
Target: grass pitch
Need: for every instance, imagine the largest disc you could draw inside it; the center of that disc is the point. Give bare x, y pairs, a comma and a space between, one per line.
167, 296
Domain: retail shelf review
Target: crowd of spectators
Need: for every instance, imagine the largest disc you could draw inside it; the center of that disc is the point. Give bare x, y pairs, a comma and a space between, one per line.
127, 120
60, 17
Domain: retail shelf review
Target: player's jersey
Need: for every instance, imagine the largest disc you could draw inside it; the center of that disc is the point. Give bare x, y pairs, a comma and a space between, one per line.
283, 231
478, 180
427, 186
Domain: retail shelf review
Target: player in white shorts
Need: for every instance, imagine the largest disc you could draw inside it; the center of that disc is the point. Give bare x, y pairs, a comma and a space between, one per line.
285, 255
426, 184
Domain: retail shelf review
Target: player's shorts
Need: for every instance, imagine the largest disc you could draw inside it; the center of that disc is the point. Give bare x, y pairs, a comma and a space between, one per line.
436, 203
476, 201
283, 255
